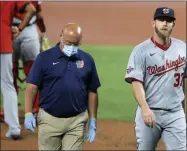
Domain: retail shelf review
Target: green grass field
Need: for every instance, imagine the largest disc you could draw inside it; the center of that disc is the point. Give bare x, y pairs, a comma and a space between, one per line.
115, 95
116, 101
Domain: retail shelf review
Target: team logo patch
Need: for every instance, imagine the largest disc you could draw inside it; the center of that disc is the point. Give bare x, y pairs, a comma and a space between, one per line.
80, 64
166, 10
129, 69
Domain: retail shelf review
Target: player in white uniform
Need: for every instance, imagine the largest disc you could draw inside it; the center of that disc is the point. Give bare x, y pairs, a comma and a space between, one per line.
156, 70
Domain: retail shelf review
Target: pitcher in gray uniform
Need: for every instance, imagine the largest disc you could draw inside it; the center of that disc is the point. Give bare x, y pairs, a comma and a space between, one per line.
156, 71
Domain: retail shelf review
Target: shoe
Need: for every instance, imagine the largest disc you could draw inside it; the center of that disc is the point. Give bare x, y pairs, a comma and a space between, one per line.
13, 134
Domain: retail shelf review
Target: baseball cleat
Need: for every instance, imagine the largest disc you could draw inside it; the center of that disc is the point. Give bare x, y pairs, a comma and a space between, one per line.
13, 135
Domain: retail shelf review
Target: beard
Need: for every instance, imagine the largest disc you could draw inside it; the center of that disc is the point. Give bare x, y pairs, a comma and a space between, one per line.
163, 33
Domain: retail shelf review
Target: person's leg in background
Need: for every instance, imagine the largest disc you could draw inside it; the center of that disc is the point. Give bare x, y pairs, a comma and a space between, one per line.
27, 67
30, 47
9, 97
15, 58
15, 75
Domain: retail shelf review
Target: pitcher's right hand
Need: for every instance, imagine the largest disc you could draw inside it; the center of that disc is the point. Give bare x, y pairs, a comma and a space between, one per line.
148, 116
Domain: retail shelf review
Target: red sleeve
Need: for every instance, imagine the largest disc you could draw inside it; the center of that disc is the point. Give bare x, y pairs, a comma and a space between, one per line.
38, 7
21, 5
40, 21
41, 25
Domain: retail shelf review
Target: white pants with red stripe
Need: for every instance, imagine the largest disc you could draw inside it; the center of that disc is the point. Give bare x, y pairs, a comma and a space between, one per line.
10, 99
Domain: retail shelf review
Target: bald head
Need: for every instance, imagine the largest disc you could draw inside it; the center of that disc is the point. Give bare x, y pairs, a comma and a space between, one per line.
72, 34
72, 29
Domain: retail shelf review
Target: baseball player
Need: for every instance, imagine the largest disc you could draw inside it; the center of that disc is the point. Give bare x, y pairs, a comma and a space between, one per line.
8, 9
156, 70
27, 44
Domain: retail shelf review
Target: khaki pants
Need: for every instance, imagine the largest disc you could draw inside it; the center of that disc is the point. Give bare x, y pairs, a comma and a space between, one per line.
61, 133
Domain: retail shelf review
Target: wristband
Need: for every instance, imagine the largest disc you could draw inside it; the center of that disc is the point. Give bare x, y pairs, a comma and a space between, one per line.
28, 113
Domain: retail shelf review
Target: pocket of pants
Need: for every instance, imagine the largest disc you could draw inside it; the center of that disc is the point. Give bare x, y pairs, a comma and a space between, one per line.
39, 116
86, 117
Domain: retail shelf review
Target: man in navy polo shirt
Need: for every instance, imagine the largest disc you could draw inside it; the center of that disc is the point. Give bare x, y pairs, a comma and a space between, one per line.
67, 80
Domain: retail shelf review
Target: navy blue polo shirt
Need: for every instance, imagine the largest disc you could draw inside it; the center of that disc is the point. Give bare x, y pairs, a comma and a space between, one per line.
64, 82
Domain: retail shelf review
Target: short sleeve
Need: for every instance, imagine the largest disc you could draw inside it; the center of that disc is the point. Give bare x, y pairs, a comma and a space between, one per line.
36, 73
21, 5
38, 8
94, 82
136, 67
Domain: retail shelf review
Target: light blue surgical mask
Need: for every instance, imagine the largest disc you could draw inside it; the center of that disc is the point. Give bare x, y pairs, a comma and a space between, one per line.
70, 50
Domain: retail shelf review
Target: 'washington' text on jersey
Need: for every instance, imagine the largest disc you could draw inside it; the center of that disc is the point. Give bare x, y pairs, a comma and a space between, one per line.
168, 66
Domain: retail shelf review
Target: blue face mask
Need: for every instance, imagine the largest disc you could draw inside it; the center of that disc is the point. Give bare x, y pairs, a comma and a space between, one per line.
70, 50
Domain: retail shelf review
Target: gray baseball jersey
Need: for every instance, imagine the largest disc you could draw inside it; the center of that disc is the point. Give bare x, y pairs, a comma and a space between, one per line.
161, 72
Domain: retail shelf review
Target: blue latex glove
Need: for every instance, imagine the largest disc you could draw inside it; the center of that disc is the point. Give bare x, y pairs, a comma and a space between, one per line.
30, 122
91, 130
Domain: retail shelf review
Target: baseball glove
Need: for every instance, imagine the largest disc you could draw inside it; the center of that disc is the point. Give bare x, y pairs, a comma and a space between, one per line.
45, 44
